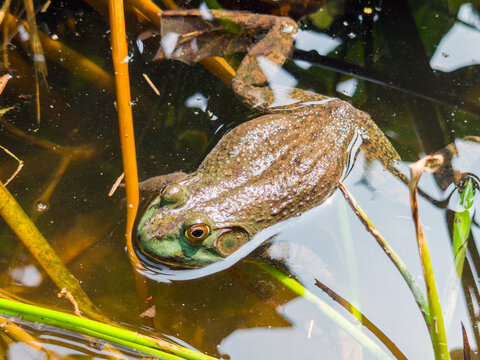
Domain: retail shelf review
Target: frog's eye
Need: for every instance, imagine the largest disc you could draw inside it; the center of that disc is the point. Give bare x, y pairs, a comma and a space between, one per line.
195, 234
230, 242
162, 191
173, 195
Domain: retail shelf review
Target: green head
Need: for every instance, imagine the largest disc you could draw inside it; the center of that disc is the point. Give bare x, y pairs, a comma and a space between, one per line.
179, 229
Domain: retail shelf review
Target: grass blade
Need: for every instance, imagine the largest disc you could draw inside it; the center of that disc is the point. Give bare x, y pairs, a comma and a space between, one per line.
100, 330
460, 233
429, 163
363, 319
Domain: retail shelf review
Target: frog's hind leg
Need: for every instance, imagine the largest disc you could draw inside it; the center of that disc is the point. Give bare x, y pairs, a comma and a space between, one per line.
189, 36
376, 144
253, 82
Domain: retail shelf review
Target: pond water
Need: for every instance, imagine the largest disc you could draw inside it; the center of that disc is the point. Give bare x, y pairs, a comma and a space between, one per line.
412, 66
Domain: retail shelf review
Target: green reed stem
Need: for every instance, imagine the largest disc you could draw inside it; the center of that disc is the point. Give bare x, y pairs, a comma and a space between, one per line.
130, 339
327, 310
438, 336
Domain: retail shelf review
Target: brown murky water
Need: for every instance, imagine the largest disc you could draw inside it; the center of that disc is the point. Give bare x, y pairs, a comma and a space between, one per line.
415, 71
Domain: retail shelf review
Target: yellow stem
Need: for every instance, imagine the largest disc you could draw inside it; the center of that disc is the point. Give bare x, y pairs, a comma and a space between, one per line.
122, 86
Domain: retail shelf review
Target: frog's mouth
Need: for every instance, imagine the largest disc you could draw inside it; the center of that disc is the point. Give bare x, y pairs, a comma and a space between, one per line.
171, 262
178, 262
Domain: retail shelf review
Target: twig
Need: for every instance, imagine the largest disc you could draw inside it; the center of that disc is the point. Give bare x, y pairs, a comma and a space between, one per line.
152, 85
363, 319
466, 345
116, 184
65, 293
19, 167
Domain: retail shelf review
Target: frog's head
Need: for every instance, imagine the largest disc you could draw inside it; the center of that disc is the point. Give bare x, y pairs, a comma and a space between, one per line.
173, 232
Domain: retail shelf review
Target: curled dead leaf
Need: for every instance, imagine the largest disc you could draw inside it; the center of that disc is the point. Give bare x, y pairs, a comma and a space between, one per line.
149, 313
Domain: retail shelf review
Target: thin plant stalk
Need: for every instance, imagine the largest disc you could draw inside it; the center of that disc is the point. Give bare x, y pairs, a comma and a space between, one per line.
40, 67
392, 255
36, 244
429, 163
81, 152
327, 310
19, 167
124, 110
100, 330
363, 319
4, 30
44, 198
68, 58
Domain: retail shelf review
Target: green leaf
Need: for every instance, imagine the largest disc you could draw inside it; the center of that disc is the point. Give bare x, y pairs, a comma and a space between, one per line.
461, 226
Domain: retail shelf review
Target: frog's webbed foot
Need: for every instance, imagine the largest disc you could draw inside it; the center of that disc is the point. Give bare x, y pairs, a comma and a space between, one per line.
155, 184
190, 36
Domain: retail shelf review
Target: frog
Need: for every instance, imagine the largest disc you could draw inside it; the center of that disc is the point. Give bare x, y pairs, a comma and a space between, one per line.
266, 170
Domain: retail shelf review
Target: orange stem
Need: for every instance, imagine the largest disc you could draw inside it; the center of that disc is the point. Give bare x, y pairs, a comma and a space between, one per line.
122, 86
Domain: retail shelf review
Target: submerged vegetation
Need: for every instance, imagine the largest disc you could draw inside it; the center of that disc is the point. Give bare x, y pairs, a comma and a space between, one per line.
390, 59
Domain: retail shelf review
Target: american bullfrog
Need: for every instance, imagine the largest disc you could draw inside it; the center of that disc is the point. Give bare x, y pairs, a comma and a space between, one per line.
266, 170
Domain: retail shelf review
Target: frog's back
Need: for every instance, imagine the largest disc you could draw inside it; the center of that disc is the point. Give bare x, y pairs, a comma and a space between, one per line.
281, 164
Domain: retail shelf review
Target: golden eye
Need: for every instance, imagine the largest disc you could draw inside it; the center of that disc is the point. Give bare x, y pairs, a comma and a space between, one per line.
195, 234
162, 191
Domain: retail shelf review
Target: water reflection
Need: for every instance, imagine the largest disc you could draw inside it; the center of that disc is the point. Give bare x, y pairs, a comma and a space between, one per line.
458, 48
322, 43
